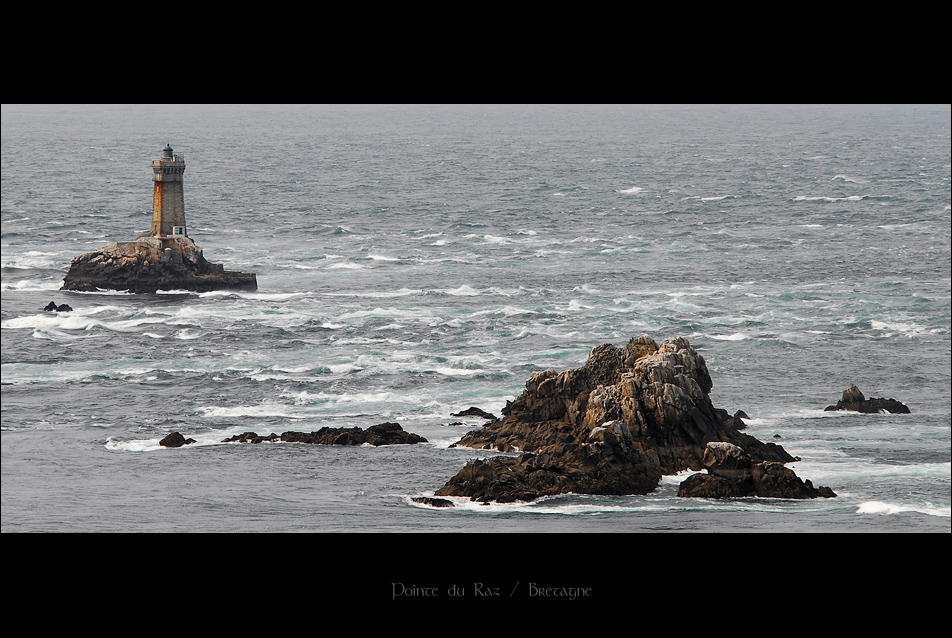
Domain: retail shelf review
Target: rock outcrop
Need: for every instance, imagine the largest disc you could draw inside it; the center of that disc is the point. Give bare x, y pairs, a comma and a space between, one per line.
51, 307
614, 426
175, 439
854, 401
732, 474
473, 411
149, 264
382, 434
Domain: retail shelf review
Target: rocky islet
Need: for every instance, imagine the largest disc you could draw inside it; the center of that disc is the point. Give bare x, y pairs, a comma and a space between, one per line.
165, 259
617, 425
147, 265
855, 401
376, 435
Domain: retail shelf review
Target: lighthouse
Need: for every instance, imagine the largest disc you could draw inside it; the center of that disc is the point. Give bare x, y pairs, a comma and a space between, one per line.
166, 258
168, 197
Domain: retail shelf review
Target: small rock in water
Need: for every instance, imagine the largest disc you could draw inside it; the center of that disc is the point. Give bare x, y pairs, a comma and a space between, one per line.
433, 502
475, 412
854, 401
175, 440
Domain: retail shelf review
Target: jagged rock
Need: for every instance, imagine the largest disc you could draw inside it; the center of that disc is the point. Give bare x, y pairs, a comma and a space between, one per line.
149, 264
63, 308
432, 502
732, 421
50, 307
613, 426
732, 474
854, 401
175, 439
475, 412
382, 434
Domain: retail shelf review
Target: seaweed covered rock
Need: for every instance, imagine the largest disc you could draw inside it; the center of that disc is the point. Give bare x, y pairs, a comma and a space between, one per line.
614, 426
854, 401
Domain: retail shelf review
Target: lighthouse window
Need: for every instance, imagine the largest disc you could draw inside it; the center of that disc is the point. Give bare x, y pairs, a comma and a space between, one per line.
178, 230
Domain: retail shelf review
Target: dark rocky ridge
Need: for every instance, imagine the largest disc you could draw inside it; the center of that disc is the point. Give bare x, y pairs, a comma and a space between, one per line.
149, 264
382, 434
614, 426
854, 401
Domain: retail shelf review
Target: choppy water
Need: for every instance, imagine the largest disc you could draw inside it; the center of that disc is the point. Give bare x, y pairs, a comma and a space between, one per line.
413, 261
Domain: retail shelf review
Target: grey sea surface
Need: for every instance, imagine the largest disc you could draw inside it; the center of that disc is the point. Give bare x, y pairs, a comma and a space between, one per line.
416, 260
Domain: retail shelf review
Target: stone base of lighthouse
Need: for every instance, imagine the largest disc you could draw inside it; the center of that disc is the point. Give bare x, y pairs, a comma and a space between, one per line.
149, 264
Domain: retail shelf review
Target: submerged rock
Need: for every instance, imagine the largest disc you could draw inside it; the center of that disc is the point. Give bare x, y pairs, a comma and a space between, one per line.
149, 264
614, 426
854, 401
382, 434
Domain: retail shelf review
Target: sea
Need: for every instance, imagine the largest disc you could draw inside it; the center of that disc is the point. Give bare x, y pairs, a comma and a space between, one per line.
417, 260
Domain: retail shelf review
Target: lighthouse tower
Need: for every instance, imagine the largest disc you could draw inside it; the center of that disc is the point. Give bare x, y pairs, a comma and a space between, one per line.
168, 198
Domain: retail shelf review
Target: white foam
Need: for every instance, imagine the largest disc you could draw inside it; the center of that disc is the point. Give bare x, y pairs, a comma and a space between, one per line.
385, 312
847, 178
906, 329
457, 372
31, 259
28, 284
403, 292
634, 190
462, 291
880, 507
138, 445
267, 409
258, 296
346, 266
851, 198
737, 336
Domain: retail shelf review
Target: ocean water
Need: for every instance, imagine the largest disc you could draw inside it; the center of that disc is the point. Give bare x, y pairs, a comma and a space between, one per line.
414, 261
